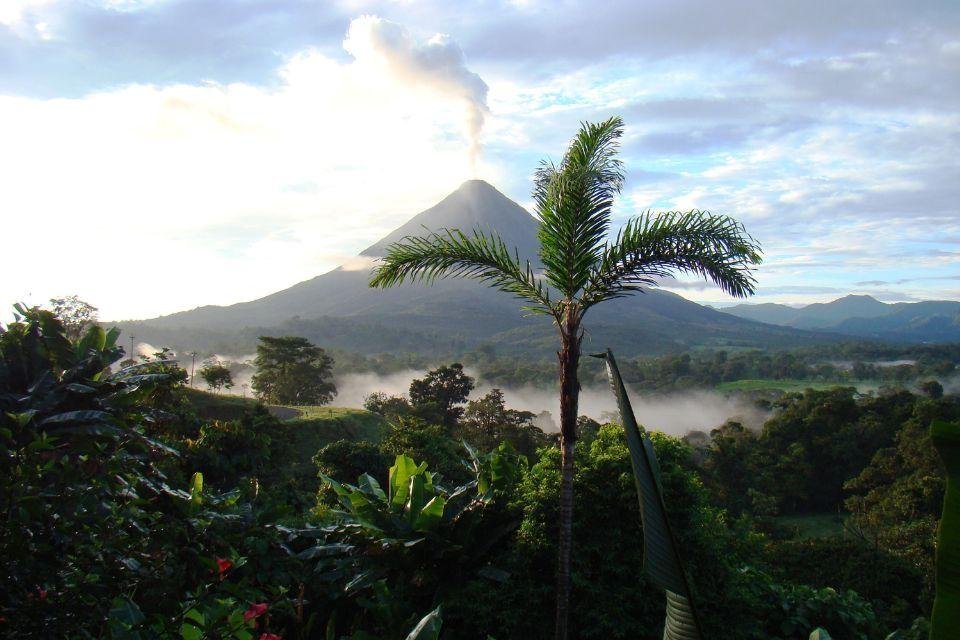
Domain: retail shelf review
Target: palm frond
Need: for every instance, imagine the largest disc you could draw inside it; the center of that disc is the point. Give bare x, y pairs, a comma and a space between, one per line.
662, 555
652, 246
573, 203
451, 253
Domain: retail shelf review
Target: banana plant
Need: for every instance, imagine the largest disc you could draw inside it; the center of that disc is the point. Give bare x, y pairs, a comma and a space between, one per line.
945, 619
391, 550
414, 502
661, 554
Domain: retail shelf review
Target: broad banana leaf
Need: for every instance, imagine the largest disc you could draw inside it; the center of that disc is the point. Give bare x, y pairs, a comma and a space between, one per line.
661, 555
945, 619
400, 473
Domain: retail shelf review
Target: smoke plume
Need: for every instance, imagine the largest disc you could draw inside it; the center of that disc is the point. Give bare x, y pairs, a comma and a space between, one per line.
147, 350
437, 64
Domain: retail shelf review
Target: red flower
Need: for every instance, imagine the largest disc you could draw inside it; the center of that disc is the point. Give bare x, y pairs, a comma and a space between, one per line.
41, 593
255, 611
270, 636
223, 565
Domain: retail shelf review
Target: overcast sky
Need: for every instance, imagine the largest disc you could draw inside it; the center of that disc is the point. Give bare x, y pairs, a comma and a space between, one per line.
156, 155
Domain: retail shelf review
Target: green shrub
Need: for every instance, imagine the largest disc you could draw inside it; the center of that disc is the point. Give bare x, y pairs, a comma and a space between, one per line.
227, 452
792, 612
96, 540
611, 597
390, 552
345, 460
893, 585
422, 441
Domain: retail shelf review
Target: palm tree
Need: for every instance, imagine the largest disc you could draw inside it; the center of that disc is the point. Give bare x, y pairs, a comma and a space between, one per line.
581, 267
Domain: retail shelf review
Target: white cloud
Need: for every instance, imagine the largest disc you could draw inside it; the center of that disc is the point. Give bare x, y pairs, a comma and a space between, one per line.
144, 199
16, 14
835, 144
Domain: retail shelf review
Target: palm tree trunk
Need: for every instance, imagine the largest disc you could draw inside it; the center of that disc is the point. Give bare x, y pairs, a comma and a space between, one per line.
569, 357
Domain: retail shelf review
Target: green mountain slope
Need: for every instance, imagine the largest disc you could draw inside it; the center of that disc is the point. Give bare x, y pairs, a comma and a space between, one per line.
865, 317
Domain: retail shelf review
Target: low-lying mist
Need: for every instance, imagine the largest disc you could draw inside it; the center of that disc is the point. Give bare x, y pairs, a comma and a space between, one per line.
675, 413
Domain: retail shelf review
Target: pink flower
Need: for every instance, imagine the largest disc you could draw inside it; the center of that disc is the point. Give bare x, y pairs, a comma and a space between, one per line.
255, 611
270, 636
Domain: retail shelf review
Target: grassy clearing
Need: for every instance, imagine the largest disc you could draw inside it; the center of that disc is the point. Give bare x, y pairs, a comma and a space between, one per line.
326, 423
308, 426
218, 406
778, 385
336, 423
300, 438
301, 432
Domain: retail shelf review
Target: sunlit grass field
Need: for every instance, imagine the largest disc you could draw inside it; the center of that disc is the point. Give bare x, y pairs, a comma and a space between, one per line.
779, 385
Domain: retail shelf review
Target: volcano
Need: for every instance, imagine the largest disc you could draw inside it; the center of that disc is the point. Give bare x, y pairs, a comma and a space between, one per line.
338, 309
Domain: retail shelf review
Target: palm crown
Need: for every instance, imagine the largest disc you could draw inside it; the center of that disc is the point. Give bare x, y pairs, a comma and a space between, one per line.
581, 266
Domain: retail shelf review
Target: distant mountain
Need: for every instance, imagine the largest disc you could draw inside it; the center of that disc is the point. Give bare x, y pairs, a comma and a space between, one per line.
864, 317
812, 316
338, 309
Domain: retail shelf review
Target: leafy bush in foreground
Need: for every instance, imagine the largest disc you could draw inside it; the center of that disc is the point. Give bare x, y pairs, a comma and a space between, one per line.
93, 537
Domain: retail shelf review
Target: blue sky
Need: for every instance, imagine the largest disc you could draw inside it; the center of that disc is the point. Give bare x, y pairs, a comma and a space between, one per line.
175, 153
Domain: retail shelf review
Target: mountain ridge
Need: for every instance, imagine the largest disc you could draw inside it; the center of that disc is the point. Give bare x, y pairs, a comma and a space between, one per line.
465, 312
865, 317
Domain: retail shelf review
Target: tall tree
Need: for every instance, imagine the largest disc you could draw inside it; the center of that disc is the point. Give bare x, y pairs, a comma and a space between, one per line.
490, 413
442, 392
581, 267
217, 376
75, 314
291, 370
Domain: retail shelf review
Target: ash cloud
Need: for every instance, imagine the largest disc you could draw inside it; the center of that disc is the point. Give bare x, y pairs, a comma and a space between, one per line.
437, 64
357, 263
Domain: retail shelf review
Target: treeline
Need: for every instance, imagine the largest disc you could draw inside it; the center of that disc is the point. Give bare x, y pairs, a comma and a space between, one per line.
754, 579
868, 461
707, 369
835, 362
127, 515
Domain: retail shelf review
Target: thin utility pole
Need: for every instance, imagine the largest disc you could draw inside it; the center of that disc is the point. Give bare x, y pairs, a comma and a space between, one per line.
131, 356
193, 365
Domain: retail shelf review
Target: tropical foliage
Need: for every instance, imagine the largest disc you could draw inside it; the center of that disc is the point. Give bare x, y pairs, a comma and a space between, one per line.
581, 267
89, 518
126, 515
945, 619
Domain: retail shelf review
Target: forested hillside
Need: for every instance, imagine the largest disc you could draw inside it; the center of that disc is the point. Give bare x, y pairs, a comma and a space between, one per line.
865, 317
123, 488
